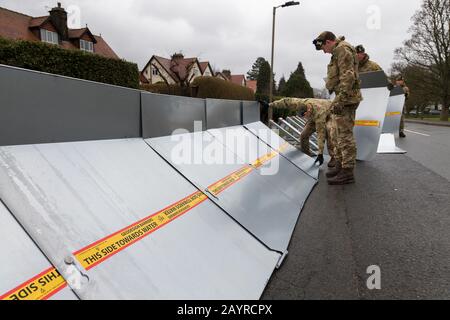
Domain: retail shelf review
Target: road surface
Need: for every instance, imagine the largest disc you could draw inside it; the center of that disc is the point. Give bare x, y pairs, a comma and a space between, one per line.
397, 217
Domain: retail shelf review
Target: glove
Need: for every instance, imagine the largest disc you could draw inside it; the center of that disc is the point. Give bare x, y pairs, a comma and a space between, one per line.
390, 86
265, 104
337, 109
319, 159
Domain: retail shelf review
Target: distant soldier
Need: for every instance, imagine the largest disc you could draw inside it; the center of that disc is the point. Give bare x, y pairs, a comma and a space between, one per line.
365, 64
343, 80
317, 113
401, 82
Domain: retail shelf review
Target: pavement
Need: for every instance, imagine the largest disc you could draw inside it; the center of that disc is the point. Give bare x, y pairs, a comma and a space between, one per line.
397, 217
429, 122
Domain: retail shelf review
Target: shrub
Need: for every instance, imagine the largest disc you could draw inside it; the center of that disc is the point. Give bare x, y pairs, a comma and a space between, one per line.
163, 88
210, 87
79, 64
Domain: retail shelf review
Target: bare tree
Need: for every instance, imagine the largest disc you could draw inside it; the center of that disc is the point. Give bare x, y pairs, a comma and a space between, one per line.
429, 48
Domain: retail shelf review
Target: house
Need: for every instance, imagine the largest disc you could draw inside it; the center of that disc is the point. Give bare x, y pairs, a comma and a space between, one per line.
252, 84
221, 76
177, 70
238, 79
206, 69
52, 29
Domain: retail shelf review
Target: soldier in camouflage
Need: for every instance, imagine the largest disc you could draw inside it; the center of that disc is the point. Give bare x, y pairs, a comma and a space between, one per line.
365, 64
317, 111
401, 82
343, 80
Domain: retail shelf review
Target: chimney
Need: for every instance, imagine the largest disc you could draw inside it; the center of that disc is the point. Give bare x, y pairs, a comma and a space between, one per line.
227, 73
176, 57
58, 16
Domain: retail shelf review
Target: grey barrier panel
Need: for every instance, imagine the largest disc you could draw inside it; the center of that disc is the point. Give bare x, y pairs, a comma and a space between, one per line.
270, 216
394, 111
43, 108
376, 79
369, 121
222, 113
391, 124
250, 112
23, 261
163, 114
370, 114
298, 158
387, 144
71, 195
279, 172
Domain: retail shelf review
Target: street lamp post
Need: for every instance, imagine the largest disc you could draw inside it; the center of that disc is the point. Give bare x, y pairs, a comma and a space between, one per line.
287, 4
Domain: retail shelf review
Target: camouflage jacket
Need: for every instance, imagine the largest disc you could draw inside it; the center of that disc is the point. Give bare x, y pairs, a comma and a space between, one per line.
319, 110
406, 91
367, 65
343, 76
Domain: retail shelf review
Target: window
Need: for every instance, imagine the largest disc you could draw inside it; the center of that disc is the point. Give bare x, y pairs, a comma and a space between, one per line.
49, 36
155, 71
86, 45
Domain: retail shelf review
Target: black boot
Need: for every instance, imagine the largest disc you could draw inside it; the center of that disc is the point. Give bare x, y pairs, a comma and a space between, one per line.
332, 163
402, 134
332, 172
345, 176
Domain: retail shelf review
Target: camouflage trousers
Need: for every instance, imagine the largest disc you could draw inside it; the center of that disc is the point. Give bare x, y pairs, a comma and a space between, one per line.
308, 131
402, 120
342, 136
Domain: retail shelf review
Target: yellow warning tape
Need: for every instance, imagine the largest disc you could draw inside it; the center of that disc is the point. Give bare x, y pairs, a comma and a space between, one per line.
107, 247
367, 123
259, 162
41, 287
229, 180
390, 114
49, 282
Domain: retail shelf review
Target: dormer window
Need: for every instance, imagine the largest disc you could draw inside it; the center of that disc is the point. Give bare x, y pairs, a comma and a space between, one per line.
49, 36
86, 45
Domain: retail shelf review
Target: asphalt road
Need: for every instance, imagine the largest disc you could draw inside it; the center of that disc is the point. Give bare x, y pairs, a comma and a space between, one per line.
428, 145
397, 216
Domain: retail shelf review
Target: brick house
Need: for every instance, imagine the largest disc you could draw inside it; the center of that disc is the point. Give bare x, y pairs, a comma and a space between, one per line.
52, 29
238, 79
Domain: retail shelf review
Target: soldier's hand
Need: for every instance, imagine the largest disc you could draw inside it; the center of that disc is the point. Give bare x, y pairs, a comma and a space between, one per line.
390, 86
319, 159
337, 109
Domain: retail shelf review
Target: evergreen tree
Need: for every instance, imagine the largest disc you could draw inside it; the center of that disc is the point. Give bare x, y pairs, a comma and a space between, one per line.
263, 81
253, 73
281, 86
297, 86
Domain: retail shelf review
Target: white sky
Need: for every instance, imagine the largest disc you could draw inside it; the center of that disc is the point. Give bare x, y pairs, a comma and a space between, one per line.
231, 34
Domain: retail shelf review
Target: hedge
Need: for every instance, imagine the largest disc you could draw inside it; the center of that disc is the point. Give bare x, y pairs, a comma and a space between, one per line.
210, 87
79, 64
163, 88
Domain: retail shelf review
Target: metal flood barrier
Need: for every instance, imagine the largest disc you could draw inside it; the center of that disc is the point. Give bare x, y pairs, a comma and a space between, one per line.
99, 200
130, 224
43, 108
370, 114
391, 125
234, 182
25, 264
302, 161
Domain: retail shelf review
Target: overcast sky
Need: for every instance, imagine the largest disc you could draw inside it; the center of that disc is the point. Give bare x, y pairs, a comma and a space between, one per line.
231, 34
